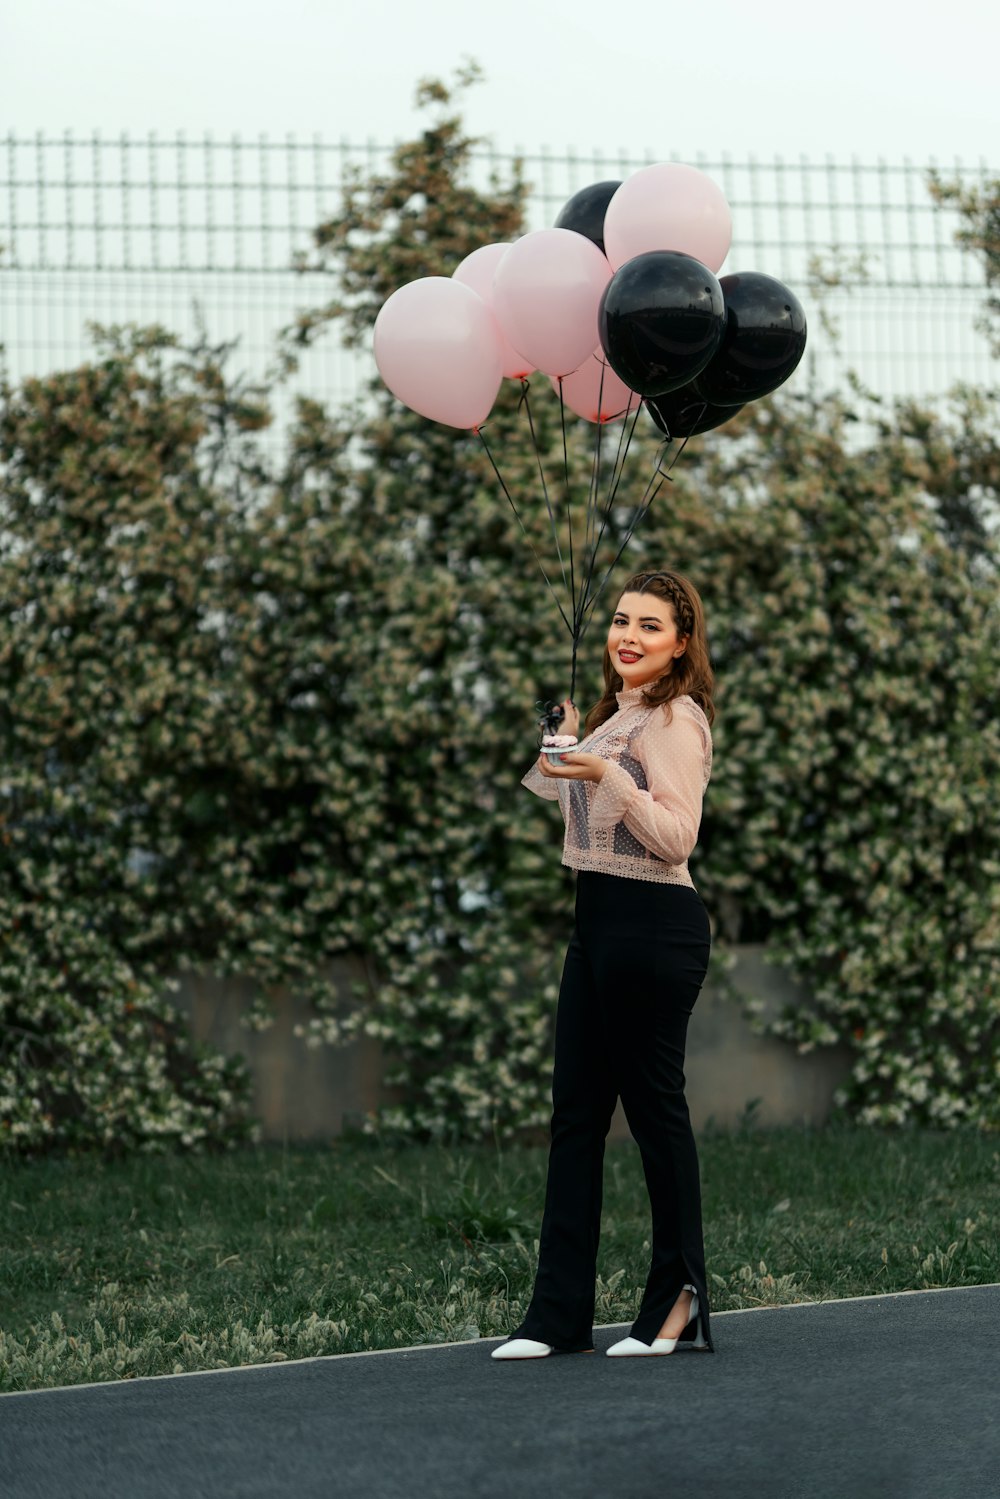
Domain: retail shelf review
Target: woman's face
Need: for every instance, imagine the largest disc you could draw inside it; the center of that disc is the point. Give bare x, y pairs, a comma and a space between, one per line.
643, 624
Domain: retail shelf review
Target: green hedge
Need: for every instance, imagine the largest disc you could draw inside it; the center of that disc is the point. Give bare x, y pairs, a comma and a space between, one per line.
257, 716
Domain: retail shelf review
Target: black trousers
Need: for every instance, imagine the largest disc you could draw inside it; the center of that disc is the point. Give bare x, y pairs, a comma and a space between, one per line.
634, 967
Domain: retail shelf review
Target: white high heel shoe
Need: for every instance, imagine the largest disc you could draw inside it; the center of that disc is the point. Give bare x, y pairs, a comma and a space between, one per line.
522, 1348
634, 1348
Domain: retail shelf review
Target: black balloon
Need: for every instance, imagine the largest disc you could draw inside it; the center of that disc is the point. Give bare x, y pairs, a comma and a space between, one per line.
661, 319
585, 211
684, 413
764, 340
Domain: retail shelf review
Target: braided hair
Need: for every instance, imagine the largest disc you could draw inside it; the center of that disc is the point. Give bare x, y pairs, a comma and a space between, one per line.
676, 592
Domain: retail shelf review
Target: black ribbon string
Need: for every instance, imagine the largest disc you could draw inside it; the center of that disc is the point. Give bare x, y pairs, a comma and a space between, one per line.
640, 511
618, 469
482, 439
582, 609
524, 401
569, 528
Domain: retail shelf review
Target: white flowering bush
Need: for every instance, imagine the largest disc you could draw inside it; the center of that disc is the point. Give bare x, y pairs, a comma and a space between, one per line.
850, 585
114, 693
254, 719
853, 815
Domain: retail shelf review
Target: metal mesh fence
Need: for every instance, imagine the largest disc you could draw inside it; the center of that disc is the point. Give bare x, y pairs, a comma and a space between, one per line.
173, 230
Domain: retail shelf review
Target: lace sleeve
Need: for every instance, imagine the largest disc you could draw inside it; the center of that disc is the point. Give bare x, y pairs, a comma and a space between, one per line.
666, 818
536, 782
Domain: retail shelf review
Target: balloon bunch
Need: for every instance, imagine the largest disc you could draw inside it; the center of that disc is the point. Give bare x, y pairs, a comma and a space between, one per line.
619, 305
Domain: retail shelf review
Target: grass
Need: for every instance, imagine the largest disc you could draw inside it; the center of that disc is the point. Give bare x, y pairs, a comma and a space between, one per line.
156, 1266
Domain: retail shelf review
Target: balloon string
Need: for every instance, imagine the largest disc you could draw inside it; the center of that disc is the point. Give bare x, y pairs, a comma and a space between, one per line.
664, 477
593, 503
616, 475
569, 528
619, 469
620, 456
641, 510
506, 491
639, 515
595, 480
682, 447
644, 503
541, 474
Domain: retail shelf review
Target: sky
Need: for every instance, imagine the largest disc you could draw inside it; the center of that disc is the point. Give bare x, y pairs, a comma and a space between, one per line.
851, 78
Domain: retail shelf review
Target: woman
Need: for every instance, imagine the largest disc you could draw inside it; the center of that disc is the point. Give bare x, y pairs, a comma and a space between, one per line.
631, 797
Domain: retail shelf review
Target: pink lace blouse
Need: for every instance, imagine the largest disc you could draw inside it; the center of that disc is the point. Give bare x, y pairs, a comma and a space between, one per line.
641, 819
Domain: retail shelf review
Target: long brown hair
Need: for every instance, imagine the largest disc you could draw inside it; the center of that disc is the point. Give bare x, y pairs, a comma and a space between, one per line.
690, 672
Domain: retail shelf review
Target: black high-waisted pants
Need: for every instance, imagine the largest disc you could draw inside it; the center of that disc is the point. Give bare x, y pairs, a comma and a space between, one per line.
634, 967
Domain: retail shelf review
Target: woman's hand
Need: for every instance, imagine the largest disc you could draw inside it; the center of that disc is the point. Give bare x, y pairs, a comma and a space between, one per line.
573, 767
571, 722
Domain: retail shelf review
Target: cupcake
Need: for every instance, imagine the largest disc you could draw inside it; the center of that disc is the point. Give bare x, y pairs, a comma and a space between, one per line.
555, 745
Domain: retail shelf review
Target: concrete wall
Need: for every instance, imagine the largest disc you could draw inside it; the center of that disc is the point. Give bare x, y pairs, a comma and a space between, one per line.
307, 1095
727, 1066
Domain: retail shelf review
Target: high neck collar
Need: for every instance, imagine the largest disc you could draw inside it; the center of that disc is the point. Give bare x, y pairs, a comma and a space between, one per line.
629, 697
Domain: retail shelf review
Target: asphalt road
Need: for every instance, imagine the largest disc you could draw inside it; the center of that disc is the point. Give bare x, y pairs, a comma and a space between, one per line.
893, 1397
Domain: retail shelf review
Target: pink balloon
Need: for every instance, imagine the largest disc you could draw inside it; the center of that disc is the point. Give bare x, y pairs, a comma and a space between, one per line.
476, 270
546, 291
583, 388
439, 350
668, 206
